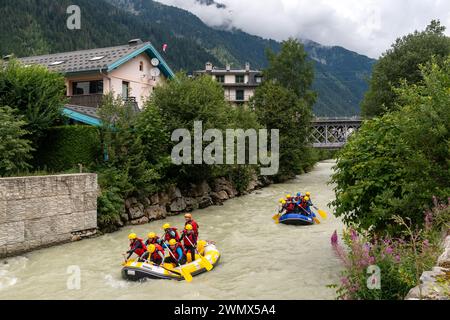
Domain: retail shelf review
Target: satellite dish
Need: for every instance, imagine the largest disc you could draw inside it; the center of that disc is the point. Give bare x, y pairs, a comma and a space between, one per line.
155, 72
155, 62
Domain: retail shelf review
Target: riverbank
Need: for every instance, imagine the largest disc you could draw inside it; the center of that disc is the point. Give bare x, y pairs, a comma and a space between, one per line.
176, 200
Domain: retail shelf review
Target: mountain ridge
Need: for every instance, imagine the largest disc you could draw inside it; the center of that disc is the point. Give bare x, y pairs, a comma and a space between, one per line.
31, 27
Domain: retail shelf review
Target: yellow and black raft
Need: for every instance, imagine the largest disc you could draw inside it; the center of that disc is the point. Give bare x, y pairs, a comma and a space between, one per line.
135, 270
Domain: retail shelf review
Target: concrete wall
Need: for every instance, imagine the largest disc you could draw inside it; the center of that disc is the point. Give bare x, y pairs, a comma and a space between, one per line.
44, 210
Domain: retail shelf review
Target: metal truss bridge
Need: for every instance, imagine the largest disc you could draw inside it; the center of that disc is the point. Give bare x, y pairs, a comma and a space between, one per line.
332, 133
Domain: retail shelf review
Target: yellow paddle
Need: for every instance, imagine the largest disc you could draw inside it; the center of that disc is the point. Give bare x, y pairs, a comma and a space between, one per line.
322, 213
186, 274
204, 262
276, 218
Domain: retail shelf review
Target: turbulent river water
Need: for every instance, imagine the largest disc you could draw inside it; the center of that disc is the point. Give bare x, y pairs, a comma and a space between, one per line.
260, 259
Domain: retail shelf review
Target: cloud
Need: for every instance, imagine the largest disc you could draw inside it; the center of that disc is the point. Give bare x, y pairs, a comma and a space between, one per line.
365, 26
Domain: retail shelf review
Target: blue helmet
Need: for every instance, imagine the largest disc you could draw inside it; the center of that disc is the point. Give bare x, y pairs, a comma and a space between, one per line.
299, 194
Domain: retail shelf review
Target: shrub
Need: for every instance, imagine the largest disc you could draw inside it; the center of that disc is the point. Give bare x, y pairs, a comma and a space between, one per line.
35, 92
15, 151
67, 146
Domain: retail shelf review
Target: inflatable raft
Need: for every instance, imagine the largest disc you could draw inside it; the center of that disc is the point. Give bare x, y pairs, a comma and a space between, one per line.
135, 270
297, 219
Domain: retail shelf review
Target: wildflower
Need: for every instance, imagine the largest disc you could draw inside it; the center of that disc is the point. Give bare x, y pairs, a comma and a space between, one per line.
388, 250
397, 258
353, 235
334, 238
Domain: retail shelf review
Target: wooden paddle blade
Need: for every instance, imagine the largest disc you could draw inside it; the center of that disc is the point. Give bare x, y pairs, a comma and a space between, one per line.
322, 213
316, 220
186, 275
206, 264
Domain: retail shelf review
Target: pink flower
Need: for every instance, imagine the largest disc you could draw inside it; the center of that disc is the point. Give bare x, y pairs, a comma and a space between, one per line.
334, 238
353, 235
388, 250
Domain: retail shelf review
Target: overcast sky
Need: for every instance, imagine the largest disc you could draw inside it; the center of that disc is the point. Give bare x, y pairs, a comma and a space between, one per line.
365, 26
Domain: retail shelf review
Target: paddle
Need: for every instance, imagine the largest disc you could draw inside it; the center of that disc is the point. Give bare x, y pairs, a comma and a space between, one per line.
161, 266
186, 275
205, 263
317, 221
322, 213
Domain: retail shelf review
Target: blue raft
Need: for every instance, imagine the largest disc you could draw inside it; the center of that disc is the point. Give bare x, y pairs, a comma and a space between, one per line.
297, 219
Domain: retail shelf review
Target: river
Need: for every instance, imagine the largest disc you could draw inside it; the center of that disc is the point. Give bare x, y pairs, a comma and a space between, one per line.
260, 259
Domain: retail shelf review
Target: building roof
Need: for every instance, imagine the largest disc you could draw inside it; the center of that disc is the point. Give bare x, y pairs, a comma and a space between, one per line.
216, 71
105, 59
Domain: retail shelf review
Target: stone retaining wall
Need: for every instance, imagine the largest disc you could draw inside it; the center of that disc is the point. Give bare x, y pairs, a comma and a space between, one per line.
41, 211
175, 200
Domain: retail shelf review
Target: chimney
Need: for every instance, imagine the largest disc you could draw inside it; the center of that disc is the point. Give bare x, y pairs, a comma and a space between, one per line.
134, 42
208, 66
247, 66
228, 67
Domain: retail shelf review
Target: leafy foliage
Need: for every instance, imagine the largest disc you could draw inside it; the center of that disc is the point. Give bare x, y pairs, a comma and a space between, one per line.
14, 148
291, 69
124, 147
400, 260
34, 92
402, 62
179, 103
284, 102
395, 164
65, 147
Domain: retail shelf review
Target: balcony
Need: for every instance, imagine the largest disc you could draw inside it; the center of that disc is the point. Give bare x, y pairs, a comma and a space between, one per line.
86, 100
95, 100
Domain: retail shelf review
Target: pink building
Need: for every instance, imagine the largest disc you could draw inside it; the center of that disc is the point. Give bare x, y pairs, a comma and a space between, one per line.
130, 71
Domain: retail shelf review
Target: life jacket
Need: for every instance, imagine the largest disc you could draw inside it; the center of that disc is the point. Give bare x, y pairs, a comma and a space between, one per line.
192, 238
155, 255
139, 251
175, 253
152, 241
194, 225
167, 235
290, 207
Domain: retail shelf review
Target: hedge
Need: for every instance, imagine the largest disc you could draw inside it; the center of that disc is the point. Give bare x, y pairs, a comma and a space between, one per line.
65, 147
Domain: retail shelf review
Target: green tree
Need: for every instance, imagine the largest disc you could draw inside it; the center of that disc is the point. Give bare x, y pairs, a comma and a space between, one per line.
401, 62
37, 93
123, 147
14, 148
179, 103
285, 102
291, 69
279, 108
396, 163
